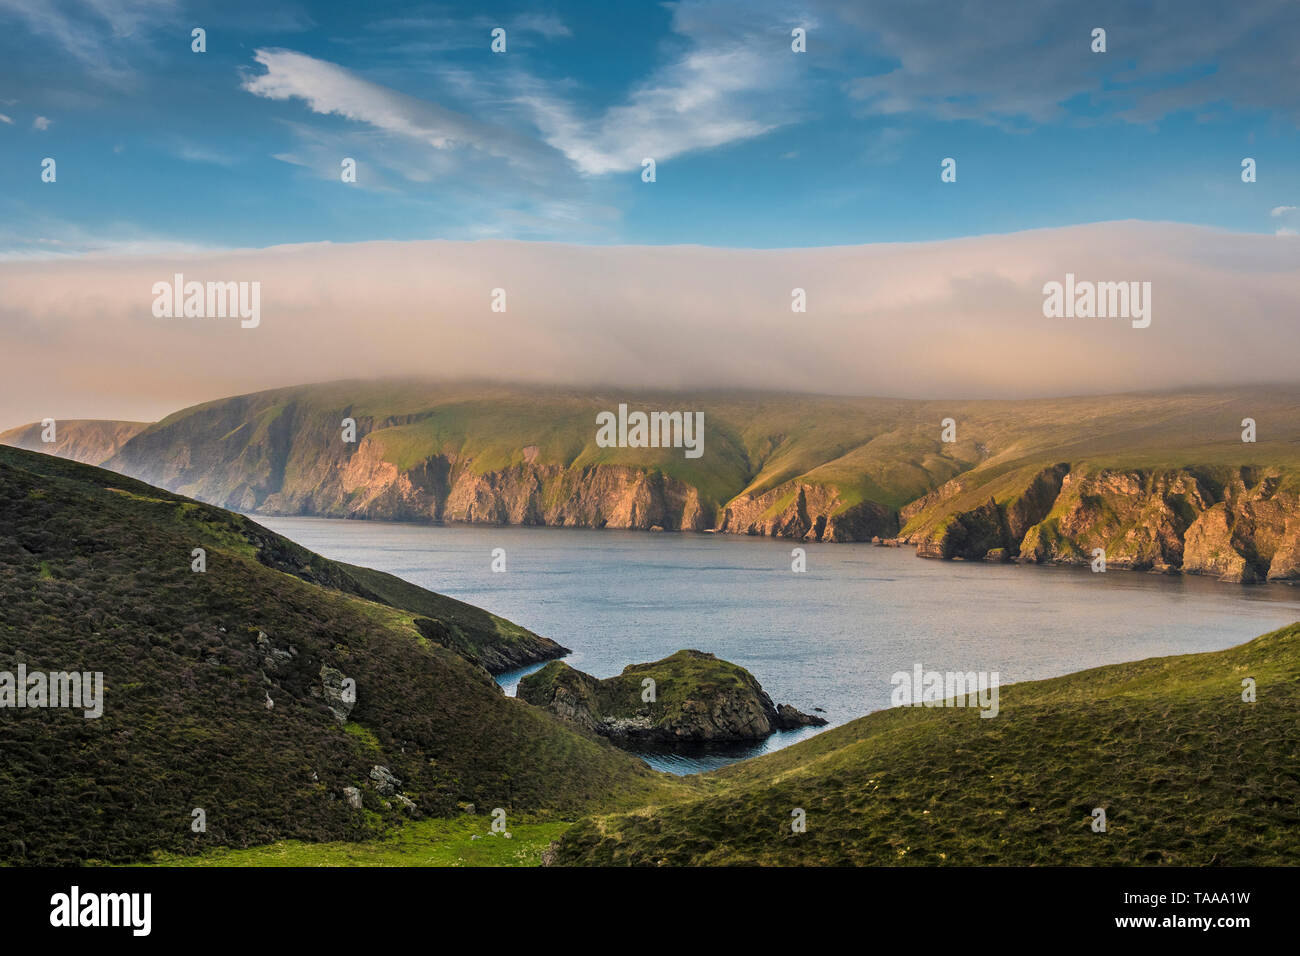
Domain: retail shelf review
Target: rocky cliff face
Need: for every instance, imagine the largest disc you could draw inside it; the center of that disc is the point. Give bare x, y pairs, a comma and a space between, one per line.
1237, 525
800, 468
1139, 518
988, 530
293, 462
807, 512
599, 496
691, 697
1252, 534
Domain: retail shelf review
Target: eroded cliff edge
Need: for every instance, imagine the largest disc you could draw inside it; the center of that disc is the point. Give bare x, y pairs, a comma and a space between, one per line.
1236, 524
1160, 482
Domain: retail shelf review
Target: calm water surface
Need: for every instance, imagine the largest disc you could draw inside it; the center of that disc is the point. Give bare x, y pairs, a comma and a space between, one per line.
831, 637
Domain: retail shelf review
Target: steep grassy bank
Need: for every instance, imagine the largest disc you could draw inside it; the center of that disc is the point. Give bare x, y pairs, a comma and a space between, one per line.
1187, 772
222, 689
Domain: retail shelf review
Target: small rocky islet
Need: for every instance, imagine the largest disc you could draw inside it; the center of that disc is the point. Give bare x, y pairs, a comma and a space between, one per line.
689, 697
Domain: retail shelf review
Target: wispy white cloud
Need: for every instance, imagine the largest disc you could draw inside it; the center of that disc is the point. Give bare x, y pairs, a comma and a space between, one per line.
41, 123
725, 82
954, 61
6, 119
199, 153
65, 241
328, 88
543, 24
693, 105
99, 34
1282, 211
885, 147
430, 32
486, 179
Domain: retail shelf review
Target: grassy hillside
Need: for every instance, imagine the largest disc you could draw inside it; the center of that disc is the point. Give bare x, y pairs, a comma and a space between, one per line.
484, 638
1159, 482
95, 575
1187, 772
794, 465
462, 841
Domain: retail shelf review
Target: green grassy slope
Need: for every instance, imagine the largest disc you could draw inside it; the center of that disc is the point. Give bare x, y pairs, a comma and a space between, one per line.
95, 575
462, 841
483, 637
1187, 773
283, 445
1155, 431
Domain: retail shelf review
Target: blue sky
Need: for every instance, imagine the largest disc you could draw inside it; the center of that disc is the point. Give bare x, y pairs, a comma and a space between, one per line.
756, 146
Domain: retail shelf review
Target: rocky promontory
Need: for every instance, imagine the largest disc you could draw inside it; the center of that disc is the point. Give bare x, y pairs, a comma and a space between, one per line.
688, 697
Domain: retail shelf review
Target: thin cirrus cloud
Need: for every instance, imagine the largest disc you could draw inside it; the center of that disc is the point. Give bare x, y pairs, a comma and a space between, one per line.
198, 153
432, 33
709, 93
100, 36
328, 88
728, 77
704, 100
958, 62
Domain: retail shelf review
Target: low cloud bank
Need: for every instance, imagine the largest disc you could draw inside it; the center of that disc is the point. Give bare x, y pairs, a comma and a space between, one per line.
958, 318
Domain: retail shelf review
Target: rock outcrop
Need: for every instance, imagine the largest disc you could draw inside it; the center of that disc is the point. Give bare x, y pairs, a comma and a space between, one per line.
383, 781
689, 697
338, 695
